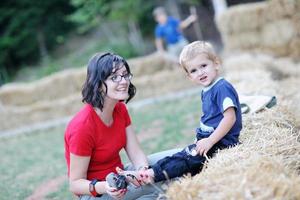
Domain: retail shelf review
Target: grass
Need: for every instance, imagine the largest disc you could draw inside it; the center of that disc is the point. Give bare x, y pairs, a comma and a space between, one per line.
28, 161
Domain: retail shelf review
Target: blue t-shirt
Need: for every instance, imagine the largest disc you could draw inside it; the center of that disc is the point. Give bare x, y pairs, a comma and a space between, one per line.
169, 31
216, 98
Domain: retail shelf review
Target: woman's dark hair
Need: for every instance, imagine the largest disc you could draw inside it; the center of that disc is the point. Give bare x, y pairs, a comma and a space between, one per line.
99, 68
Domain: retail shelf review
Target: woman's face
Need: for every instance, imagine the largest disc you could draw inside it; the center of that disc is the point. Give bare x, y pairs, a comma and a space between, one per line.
118, 84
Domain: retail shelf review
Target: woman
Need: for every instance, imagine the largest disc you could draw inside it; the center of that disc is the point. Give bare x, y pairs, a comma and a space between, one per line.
97, 133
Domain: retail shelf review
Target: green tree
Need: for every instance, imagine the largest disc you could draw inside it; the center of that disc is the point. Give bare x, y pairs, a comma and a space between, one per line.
28, 29
130, 14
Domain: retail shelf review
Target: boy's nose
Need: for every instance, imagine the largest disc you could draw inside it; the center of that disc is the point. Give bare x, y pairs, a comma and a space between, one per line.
200, 72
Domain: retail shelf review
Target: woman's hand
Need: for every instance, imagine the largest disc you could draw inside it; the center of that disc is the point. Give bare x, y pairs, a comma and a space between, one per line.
114, 192
203, 146
145, 177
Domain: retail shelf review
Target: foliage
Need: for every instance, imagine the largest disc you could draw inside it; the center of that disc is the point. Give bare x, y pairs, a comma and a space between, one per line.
20, 24
73, 60
31, 29
91, 13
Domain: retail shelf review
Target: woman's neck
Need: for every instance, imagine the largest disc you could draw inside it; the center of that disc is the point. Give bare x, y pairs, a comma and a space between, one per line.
106, 115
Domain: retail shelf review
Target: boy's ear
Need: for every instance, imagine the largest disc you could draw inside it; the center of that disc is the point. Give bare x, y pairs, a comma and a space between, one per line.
217, 63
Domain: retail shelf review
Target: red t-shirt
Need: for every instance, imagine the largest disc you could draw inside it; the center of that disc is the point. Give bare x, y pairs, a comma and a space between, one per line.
87, 135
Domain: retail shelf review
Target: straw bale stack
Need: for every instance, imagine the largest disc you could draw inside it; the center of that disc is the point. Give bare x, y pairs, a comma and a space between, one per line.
147, 86
35, 113
270, 27
59, 95
49, 88
68, 82
265, 166
150, 64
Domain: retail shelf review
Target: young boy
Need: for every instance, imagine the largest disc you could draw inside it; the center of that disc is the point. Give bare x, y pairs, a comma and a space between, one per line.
168, 31
220, 124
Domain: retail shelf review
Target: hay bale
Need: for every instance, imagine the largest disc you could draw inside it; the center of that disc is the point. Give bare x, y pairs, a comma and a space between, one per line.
265, 166
70, 82
162, 82
150, 64
59, 95
276, 36
281, 9
249, 18
49, 88
39, 112
270, 27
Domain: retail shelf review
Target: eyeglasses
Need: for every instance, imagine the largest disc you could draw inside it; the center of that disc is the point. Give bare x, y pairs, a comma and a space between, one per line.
117, 78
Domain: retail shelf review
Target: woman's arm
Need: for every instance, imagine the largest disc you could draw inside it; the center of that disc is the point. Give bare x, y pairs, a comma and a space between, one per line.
133, 149
79, 185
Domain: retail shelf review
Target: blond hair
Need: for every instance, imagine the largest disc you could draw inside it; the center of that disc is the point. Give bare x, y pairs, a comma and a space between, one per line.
159, 11
193, 49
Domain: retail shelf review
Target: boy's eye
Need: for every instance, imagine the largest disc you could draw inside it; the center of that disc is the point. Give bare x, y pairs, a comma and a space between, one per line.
193, 71
203, 66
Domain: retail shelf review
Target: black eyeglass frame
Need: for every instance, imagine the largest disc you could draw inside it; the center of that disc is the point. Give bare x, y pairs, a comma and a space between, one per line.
118, 78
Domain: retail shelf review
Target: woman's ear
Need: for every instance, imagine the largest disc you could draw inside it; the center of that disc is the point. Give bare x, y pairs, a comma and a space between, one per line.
103, 89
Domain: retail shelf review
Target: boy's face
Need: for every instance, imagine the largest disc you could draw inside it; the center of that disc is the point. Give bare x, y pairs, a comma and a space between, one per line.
201, 70
161, 18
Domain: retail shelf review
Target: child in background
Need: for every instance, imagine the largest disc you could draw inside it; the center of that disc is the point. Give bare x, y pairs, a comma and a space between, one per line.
169, 31
220, 124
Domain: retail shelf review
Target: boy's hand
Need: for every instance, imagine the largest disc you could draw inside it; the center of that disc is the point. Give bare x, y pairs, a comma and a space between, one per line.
203, 146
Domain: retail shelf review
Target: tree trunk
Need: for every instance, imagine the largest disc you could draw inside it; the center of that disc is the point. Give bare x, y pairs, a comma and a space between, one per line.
42, 47
219, 6
135, 37
196, 24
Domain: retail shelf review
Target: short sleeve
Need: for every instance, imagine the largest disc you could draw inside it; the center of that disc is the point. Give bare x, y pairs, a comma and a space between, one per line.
125, 114
226, 98
81, 142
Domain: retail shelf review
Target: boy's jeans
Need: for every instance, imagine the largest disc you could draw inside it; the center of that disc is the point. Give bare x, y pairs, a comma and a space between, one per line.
181, 163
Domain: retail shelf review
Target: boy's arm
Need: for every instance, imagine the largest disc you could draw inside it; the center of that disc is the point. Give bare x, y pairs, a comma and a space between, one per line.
204, 145
159, 45
185, 23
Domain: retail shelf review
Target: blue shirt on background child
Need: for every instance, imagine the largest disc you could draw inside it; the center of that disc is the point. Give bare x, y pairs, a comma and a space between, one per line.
170, 31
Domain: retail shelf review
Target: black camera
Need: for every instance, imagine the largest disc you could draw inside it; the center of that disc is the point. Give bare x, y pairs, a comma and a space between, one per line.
116, 181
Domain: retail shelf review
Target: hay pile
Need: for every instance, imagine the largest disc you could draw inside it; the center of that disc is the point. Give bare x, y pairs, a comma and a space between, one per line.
265, 166
59, 95
272, 27
267, 163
